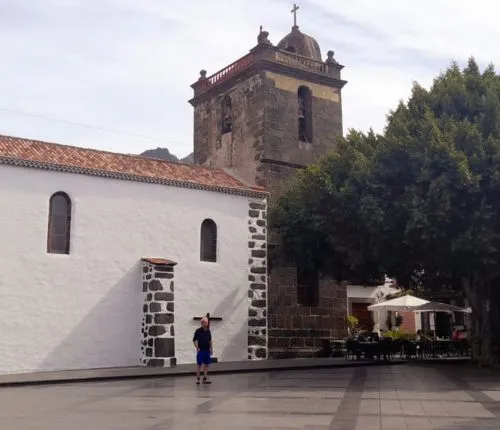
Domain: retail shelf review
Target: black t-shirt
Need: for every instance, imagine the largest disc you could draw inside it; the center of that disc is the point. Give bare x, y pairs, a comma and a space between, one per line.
203, 337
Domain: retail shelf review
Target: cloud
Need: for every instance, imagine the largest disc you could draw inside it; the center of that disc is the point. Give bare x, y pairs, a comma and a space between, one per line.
128, 65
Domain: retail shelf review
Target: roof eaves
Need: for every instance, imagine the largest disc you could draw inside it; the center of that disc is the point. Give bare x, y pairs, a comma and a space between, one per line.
21, 162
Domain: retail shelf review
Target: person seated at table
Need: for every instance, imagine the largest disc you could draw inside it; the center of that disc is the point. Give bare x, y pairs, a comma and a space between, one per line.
362, 337
459, 335
421, 337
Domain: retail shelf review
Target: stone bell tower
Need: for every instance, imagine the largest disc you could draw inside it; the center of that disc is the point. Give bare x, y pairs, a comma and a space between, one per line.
271, 112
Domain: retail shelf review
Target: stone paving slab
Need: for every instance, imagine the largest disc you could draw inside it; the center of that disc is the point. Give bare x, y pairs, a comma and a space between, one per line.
414, 397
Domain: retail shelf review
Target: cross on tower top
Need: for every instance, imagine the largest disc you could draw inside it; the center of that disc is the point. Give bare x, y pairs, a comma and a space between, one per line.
294, 11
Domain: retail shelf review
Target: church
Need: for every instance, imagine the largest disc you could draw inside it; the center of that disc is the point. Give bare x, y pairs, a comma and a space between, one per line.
111, 260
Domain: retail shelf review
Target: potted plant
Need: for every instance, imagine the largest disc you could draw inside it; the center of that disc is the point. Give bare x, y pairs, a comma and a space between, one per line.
352, 325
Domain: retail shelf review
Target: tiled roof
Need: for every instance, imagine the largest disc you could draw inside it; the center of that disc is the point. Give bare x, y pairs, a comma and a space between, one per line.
50, 156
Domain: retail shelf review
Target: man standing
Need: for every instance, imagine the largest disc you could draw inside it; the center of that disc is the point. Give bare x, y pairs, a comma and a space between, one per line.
202, 340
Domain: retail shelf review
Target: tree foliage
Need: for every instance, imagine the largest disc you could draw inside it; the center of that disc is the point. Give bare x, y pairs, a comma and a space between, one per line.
420, 203
321, 224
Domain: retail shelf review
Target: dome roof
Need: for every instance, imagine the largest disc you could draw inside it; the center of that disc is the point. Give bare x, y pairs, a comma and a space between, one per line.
301, 44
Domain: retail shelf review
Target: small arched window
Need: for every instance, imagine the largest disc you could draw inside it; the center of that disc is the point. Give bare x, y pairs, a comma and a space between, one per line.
304, 99
227, 115
208, 242
59, 230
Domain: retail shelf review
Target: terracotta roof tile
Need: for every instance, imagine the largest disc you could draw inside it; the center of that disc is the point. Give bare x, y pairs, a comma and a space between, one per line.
37, 154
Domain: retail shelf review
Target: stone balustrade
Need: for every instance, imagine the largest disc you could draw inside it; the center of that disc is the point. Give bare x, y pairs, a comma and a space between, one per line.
266, 53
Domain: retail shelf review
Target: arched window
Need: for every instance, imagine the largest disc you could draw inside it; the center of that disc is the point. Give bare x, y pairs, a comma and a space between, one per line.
58, 236
227, 115
208, 242
304, 98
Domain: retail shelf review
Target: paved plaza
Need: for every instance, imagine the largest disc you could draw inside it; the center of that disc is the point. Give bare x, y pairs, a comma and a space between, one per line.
400, 397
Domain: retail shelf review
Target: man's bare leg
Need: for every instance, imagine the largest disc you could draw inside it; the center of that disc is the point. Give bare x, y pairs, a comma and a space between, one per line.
198, 371
205, 375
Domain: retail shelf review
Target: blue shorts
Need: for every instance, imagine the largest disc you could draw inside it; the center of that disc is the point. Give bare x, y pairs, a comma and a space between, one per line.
203, 357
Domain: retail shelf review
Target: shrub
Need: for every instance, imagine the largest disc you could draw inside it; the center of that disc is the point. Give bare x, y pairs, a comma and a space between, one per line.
398, 335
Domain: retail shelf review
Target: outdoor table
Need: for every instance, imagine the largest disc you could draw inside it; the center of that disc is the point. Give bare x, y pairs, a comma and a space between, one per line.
369, 349
339, 348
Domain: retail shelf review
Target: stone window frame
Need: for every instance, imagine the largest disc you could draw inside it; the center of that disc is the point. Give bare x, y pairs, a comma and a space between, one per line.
305, 126
208, 233
65, 218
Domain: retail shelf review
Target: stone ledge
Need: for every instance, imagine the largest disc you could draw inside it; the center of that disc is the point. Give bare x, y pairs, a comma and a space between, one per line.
294, 353
72, 376
121, 373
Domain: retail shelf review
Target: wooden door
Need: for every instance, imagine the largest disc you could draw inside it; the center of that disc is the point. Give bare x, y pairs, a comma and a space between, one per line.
364, 316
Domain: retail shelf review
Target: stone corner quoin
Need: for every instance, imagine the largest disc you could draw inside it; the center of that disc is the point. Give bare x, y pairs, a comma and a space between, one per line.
257, 280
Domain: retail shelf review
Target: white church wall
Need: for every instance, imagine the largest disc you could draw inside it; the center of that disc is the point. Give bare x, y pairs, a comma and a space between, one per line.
84, 310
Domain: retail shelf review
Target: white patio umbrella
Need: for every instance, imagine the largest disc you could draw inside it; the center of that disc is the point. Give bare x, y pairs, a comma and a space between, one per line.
399, 304
438, 307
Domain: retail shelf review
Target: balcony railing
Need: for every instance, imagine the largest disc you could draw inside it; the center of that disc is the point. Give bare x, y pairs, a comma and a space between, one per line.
274, 55
225, 73
294, 60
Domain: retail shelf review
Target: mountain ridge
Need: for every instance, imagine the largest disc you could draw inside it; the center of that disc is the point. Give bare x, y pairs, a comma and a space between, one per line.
165, 154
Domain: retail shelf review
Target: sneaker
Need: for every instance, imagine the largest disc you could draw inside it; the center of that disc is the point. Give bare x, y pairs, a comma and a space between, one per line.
198, 380
207, 381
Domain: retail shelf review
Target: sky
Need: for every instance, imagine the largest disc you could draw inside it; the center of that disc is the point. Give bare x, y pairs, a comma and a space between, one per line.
116, 74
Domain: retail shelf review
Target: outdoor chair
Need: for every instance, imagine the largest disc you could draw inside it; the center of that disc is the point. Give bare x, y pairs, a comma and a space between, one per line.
352, 348
409, 349
385, 348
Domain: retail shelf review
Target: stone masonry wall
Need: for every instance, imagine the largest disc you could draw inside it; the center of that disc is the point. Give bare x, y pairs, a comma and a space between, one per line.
158, 333
257, 280
265, 125
274, 177
296, 330
299, 331
238, 149
281, 136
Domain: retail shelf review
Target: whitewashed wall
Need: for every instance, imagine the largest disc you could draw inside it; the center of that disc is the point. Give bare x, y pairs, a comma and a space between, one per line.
84, 310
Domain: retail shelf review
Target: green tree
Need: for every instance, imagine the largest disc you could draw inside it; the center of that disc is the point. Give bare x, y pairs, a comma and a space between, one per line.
420, 203
320, 219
